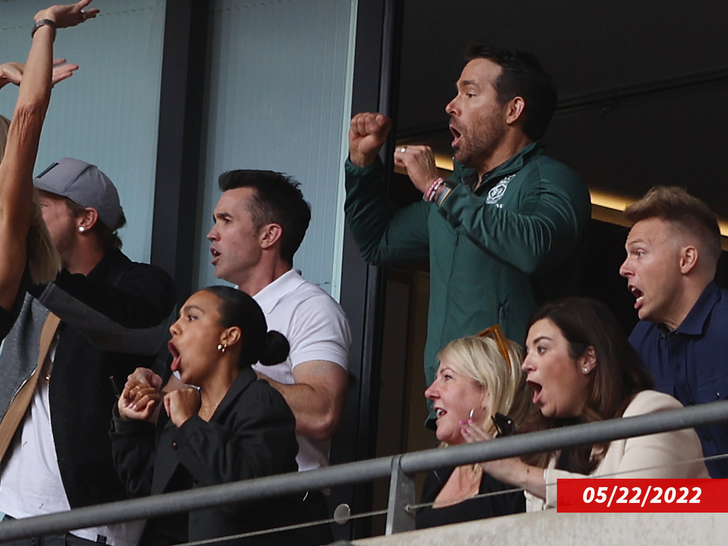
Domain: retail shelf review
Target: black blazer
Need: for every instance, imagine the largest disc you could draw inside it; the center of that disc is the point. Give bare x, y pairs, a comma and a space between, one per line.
252, 434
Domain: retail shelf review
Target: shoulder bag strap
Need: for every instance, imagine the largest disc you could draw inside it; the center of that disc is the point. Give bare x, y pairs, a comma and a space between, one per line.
20, 403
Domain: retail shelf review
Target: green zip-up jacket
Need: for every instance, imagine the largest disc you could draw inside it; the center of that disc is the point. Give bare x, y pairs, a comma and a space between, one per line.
495, 253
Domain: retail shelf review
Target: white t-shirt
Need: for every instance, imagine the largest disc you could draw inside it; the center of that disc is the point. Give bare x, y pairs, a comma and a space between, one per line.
30, 483
316, 328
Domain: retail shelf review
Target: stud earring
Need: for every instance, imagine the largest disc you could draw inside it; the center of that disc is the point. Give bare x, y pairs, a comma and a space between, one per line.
222, 348
81, 229
586, 370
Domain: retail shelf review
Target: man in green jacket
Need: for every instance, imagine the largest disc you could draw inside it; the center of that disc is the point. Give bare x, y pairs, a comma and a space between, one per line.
504, 232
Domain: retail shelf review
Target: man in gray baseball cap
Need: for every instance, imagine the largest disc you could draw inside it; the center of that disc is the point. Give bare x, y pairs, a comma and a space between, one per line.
113, 317
81, 208
85, 185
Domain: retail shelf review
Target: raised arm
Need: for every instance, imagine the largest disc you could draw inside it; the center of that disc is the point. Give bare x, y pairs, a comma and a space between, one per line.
16, 167
367, 134
13, 72
384, 235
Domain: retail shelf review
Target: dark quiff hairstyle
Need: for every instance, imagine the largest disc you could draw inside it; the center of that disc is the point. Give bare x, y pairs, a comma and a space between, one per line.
618, 376
521, 76
258, 344
277, 200
688, 213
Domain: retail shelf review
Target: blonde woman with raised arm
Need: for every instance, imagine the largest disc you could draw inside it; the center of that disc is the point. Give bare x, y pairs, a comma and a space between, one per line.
24, 241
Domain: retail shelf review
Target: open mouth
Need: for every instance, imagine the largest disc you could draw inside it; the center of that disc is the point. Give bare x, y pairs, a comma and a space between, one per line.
638, 294
536, 388
457, 136
176, 357
439, 412
215, 254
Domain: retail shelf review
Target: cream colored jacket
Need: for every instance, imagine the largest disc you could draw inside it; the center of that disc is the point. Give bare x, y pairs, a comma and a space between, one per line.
664, 455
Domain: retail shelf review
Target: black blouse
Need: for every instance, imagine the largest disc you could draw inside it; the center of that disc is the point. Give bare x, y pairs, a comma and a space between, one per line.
469, 509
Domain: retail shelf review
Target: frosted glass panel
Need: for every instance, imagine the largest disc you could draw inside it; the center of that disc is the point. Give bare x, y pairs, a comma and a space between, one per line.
280, 100
107, 113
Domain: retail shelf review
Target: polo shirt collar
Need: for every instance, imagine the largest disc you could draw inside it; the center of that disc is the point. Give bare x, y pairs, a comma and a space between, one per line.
694, 323
269, 297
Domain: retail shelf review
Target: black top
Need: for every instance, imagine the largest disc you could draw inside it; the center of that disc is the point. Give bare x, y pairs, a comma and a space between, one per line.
112, 321
250, 435
469, 509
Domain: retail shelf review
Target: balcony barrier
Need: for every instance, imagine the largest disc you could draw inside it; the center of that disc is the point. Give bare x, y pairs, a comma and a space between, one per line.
400, 468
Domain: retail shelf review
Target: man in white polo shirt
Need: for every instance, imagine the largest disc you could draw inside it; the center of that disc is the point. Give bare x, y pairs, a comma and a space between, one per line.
260, 221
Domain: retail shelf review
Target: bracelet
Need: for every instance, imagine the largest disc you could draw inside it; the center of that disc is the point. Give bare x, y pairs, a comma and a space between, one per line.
42, 23
444, 195
429, 195
450, 186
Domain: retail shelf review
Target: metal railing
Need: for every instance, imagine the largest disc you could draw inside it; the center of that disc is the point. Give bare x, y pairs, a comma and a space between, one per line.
401, 468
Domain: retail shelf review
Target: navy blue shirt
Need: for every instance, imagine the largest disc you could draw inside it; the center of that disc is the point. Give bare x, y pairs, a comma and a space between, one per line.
691, 364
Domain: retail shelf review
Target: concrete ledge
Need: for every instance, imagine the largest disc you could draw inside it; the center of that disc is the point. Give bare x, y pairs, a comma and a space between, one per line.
551, 528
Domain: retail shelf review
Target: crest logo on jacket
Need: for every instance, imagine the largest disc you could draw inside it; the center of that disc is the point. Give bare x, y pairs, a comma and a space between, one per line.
497, 191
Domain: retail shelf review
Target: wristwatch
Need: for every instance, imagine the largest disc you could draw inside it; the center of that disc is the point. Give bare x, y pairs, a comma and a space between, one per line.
42, 23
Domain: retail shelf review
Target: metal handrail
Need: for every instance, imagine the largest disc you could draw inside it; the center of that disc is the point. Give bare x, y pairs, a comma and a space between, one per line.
351, 473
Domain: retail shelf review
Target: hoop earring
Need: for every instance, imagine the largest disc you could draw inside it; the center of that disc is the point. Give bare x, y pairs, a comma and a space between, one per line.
222, 348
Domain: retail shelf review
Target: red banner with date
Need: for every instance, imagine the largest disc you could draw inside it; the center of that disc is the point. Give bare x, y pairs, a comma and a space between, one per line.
642, 495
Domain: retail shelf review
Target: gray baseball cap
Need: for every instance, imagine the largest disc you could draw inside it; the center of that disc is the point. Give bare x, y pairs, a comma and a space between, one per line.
85, 185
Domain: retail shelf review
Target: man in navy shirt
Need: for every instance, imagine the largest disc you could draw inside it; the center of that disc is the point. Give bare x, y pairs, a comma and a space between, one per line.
672, 256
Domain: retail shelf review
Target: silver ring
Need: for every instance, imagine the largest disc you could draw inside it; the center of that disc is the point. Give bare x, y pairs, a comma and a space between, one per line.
403, 149
83, 15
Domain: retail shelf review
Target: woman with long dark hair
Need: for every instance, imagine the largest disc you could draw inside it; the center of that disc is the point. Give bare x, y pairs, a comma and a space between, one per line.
581, 368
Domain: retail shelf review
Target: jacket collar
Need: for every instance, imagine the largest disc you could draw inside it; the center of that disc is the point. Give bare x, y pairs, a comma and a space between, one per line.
514, 164
244, 379
163, 472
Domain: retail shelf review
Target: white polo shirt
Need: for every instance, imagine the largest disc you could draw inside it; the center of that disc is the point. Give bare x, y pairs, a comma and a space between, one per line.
316, 328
